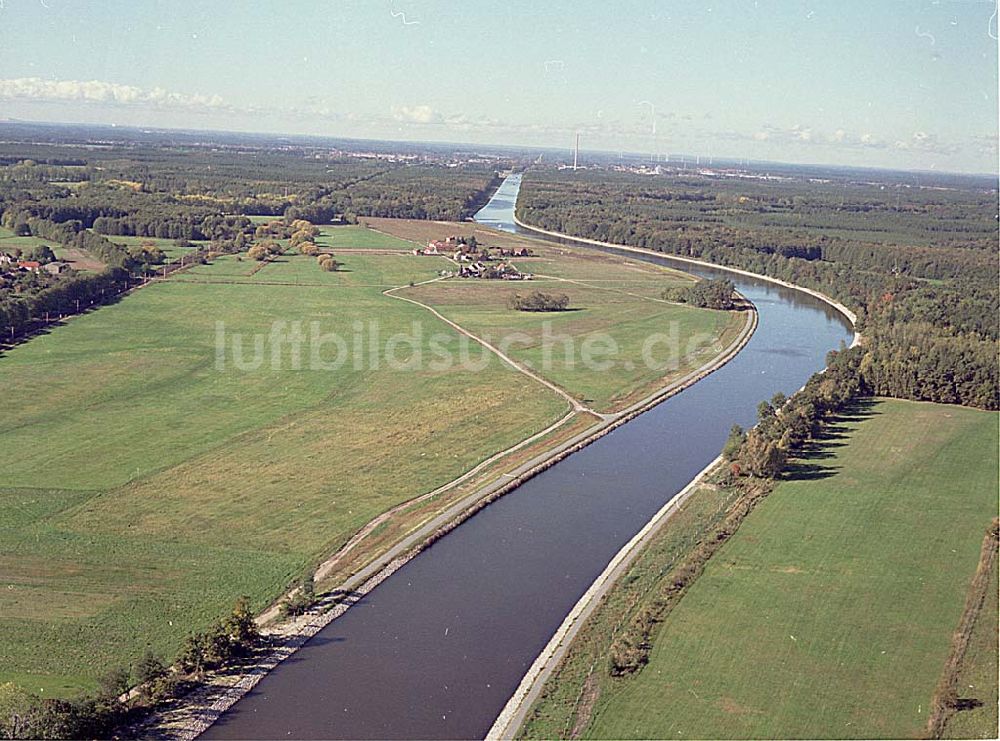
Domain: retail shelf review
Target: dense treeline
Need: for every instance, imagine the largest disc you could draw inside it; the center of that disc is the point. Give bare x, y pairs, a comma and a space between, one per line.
186, 185
919, 266
124, 212
68, 295
417, 192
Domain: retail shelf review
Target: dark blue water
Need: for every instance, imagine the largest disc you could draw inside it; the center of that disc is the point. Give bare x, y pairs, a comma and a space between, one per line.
437, 649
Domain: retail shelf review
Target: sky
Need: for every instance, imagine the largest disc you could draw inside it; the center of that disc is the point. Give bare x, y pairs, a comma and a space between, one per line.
905, 84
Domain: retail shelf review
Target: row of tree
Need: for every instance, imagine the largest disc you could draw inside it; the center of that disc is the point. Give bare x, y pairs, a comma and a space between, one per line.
70, 294
102, 714
785, 424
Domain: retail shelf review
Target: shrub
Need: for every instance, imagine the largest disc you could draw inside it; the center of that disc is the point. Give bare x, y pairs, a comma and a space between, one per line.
538, 301
326, 262
113, 683
300, 600
734, 442
714, 293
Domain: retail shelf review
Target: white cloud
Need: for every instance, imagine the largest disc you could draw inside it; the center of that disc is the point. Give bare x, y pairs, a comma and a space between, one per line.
921, 141
798, 133
418, 114
101, 92
986, 145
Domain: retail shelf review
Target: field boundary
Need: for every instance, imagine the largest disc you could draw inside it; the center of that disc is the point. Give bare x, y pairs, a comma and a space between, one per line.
131, 283
575, 404
945, 694
191, 716
327, 566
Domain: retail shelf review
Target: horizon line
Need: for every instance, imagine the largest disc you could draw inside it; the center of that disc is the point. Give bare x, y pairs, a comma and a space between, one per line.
517, 147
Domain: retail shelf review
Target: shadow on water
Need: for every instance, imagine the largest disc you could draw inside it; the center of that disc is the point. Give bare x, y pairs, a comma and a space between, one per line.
316, 641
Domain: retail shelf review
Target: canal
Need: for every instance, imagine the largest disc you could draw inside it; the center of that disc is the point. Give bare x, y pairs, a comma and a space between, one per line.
436, 650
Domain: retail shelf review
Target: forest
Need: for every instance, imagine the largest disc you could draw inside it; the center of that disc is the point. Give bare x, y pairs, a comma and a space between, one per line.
918, 265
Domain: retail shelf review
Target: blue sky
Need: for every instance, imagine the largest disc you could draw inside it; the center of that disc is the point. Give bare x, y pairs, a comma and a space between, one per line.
896, 83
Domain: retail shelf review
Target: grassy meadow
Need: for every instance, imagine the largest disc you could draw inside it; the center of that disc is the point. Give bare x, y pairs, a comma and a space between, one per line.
142, 489
168, 246
147, 478
830, 612
609, 298
360, 238
627, 321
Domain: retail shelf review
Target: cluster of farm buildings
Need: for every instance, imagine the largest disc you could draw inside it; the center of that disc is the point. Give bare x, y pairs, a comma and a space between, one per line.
11, 265
475, 260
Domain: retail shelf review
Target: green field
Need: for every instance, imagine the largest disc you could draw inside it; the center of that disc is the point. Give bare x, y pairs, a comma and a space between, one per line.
9, 242
610, 300
142, 490
381, 272
828, 614
359, 237
629, 322
145, 483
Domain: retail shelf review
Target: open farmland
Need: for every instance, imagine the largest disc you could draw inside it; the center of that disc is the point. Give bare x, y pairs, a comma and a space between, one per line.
618, 320
615, 306
360, 238
148, 478
828, 614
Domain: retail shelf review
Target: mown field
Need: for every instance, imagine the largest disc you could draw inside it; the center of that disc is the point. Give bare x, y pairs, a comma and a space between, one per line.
353, 236
830, 612
10, 242
613, 346
143, 489
360, 238
150, 475
556, 343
